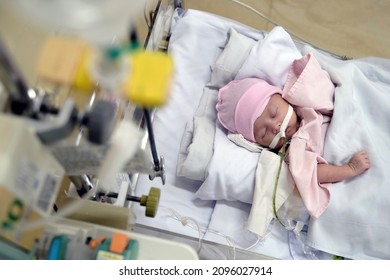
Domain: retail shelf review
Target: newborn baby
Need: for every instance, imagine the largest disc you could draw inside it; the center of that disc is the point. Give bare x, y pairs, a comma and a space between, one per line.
256, 110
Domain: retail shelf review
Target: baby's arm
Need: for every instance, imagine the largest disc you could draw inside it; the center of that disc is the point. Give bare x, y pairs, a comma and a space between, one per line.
327, 173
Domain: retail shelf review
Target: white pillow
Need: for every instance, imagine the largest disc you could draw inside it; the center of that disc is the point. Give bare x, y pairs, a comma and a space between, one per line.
231, 58
196, 146
271, 58
231, 172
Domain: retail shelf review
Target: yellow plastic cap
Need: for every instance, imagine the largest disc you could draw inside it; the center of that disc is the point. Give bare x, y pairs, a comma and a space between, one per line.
149, 80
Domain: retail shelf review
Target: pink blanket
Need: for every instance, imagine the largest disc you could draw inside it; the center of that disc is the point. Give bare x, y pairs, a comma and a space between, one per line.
310, 90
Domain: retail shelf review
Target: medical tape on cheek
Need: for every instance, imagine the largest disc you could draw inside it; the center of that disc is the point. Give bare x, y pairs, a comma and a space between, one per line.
281, 133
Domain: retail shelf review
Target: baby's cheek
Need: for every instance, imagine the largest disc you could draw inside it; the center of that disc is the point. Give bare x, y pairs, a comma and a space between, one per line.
257, 134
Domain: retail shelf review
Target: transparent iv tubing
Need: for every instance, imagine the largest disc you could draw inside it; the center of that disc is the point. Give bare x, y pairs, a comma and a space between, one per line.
192, 223
291, 33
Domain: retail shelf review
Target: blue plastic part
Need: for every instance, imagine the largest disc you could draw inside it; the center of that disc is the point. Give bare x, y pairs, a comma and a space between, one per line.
58, 246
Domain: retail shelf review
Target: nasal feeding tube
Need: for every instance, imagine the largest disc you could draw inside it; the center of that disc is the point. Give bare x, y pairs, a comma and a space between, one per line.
275, 141
282, 131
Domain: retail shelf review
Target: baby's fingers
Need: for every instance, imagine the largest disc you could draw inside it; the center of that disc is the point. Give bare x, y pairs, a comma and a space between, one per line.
365, 159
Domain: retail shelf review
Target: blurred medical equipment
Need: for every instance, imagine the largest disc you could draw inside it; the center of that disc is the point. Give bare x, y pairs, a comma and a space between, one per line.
95, 54
68, 239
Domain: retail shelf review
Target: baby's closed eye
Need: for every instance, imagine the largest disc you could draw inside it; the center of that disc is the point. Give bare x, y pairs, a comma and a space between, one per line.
274, 113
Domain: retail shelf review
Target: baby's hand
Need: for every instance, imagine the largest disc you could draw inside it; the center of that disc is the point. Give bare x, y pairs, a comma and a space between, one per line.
359, 162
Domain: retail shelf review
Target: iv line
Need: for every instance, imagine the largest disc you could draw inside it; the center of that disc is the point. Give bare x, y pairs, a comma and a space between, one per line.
184, 221
291, 33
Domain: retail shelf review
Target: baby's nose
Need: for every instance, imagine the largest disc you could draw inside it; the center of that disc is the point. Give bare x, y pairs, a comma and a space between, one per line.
275, 127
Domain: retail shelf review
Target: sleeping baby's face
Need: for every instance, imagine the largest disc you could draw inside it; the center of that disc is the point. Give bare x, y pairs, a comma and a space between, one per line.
268, 124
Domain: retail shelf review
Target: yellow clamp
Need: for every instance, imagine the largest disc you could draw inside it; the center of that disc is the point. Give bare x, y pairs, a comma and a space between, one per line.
149, 80
147, 84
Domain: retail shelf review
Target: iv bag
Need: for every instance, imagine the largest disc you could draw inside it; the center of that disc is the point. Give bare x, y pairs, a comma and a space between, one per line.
97, 21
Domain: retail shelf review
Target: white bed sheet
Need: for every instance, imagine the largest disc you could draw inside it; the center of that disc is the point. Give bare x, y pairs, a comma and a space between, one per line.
357, 222
196, 41
235, 234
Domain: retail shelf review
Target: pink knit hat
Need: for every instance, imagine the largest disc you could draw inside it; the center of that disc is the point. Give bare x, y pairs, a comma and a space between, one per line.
241, 102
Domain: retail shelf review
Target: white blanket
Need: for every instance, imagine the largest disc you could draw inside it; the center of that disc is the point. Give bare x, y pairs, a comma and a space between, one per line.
357, 222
